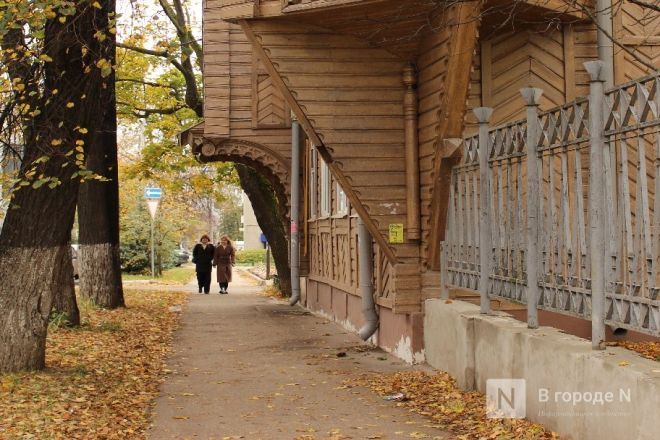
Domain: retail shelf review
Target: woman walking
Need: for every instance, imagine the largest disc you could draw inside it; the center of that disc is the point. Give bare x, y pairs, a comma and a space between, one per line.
203, 258
224, 257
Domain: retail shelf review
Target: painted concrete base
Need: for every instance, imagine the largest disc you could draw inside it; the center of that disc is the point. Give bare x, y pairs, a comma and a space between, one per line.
399, 334
571, 389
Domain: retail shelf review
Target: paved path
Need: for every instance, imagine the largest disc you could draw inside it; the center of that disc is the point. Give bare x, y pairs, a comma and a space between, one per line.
248, 367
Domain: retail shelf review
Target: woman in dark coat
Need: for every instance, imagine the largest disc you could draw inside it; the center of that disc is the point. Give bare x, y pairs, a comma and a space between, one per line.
203, 258
224, 257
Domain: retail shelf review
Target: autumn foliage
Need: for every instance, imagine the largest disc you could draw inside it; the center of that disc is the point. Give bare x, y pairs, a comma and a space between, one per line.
100, 379
437, 397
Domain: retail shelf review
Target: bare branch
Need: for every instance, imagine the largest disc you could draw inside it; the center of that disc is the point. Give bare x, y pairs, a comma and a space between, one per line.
622, 46
156, 53
146, 112
147, 83
180, 21
192, 98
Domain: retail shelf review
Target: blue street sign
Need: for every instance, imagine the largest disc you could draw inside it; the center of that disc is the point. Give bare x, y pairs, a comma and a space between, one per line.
152, 193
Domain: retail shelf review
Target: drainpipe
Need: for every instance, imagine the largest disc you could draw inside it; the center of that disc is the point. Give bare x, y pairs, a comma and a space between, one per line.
605, 44
366, 263
296, 140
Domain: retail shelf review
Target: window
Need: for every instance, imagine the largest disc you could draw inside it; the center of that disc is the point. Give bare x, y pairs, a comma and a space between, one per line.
313, 183
325, 189
342, 201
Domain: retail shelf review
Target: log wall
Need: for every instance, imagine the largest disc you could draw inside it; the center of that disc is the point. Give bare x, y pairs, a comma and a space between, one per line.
241, 102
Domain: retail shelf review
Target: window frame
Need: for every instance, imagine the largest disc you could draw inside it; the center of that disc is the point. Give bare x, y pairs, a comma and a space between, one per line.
326, 190
341, 200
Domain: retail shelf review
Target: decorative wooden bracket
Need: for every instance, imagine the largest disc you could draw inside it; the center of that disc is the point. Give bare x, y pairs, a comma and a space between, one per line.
304, 121
464, 36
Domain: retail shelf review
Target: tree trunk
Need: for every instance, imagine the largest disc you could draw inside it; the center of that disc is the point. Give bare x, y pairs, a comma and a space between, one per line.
65, 296
34, 241
98, 211
270, 217
26, 297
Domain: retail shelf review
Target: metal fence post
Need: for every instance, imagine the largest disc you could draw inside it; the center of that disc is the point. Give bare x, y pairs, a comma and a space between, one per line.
444, 273
532, 96
597, 202
485, 234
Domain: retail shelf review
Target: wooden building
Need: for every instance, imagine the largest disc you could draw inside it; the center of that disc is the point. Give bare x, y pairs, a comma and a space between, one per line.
384, 90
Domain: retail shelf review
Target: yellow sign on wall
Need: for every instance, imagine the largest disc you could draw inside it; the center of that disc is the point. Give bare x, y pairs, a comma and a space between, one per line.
396, 232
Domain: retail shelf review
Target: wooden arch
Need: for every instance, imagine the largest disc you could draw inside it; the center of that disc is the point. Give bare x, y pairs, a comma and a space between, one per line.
264, 160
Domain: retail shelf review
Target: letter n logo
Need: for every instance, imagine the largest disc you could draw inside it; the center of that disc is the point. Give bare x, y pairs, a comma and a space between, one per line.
505, 399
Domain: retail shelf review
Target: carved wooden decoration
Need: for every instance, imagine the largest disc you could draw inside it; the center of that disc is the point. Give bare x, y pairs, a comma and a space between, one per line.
266, 161
412, 152
269, 109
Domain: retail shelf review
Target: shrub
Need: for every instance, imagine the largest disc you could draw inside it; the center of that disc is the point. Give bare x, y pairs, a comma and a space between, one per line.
251, 257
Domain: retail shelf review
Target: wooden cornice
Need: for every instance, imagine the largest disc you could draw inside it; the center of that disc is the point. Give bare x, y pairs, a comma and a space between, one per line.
316, 140
525, 10
302, 6
463, 42
559, 7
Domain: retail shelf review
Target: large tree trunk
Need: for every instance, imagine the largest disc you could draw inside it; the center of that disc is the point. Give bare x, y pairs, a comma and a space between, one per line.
65, 296
98, 211
26, 298
34, 241
268, 212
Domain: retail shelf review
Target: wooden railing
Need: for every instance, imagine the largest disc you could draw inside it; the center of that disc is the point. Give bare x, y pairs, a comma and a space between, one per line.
580, 218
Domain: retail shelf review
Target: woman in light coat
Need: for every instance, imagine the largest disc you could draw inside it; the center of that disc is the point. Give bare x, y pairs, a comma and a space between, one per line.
224, 258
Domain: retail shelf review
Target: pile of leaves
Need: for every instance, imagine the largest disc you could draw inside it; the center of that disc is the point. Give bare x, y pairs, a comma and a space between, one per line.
272, 292
100, 378
649, 350
437, 397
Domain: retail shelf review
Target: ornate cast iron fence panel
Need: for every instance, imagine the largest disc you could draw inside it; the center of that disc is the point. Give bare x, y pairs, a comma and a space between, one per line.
631, 176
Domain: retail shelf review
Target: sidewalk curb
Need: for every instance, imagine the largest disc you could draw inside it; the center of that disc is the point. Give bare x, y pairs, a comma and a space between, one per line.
261, 282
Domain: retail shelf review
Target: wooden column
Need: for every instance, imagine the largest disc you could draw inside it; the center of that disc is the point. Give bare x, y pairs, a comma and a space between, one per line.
412, 153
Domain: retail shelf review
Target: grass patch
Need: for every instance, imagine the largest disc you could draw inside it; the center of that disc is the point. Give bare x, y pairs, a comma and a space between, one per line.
250, 257
175, 275
100, 378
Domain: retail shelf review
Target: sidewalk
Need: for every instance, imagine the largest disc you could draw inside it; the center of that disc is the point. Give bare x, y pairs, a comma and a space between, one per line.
249, 367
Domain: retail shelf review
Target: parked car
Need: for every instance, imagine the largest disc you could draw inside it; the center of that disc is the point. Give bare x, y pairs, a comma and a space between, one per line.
74, 262
181, 256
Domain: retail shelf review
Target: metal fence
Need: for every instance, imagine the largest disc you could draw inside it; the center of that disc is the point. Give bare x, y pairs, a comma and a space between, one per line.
570, 221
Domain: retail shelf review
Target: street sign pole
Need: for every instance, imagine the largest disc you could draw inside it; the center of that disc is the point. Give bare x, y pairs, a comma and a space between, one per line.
153, 253
267, 261
153, 197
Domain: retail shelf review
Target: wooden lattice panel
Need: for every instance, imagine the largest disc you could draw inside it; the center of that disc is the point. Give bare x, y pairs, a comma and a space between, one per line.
638, 29
526, 58
269, 109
